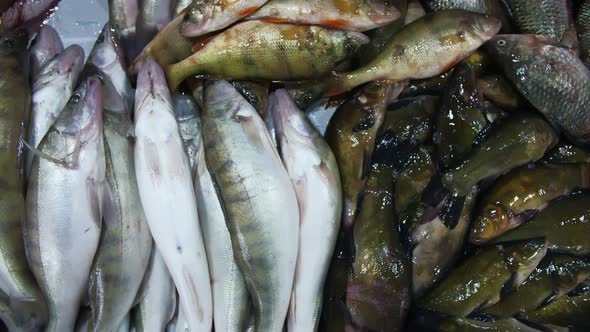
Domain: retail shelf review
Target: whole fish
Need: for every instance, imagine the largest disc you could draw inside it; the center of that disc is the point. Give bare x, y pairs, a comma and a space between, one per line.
16, 281
230, 296
426, 47
122, 19
260, 203
153, 16
204, 16
178, 6
26, 14
351, 134
562, 224
500, 91
157, 296
481, 279
567, 153
554, 277
523, 137
166, 191
189, 126
250, 50
551, 18
47, 44
63, 204
355, 15
312, 167
570, 310
583, 29
518, 195
52, 88
528, 61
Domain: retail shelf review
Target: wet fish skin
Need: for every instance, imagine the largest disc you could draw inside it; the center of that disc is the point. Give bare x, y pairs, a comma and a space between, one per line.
583, 29
522, 192
123, 16
501, 92
178, 6
162, 168
47, 45
186, 114
424, 48
62, 232
570, 310
26, 14
567, 153
356, 15
381, 35
153, 15
52, 88
528, 60
412, 181
259, 199
430, 321
525, 137
256, 93
249, 51
312, 168
489, 7
204, 16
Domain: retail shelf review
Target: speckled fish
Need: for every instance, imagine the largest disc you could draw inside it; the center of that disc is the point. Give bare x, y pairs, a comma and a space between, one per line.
231, 307
570, 310
186, 114
153, 16
249, 51
564, 225
554, 277
204, 16
47, 44
378, 289
178, 6
166, 191
426, 47
355, 15
52, 88
583, 30
567, 153
122, 19
534, 63
260, 203
498, 90
16, 281
520, 194
551, 18
496, 269
312, 167
26, 14
157, 297
351, 134
63, 203
523, 137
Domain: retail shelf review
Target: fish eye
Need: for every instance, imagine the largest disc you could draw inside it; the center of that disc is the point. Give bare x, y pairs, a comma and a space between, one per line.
349, 48
76, 98
501, 43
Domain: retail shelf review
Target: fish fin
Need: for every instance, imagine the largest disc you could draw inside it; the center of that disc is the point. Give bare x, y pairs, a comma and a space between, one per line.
247, 11
45, 156
173, 77
336, 23
274, 20
201, 43
337, 83
451, 211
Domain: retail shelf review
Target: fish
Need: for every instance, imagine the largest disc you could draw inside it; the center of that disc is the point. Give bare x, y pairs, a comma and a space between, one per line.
414, 11
496, 269
204, 16
554, 277
413, 179
231, 305
569, 310
157, 296
562, 224
312, 168
123, 16
178, 6
165, 187
356, 15
16, 280
431, 321
153, 15
382, 34
551, 18
583, 30
186, 113
517, 196
52, 88
567, 153
351, 135
249, 51
46, 45
260, 203
424, 48
27, 14
524, 137
63, 201
528, 60
378, 289
501, 92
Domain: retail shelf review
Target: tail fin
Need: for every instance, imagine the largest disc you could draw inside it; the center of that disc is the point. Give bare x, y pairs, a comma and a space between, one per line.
174, 75
338, 83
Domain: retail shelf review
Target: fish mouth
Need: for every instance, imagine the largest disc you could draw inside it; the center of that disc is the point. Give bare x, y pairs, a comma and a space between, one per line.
71, 60
488, 26
151, 82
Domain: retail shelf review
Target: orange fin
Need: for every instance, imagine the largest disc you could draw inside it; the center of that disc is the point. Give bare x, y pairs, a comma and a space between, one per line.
200, 44
275, 20
247, 11
336, 23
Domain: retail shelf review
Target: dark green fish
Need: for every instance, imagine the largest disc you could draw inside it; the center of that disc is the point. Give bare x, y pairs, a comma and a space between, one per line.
570, 310
428, 321
567, 153
501, 92
583, 29
410, 183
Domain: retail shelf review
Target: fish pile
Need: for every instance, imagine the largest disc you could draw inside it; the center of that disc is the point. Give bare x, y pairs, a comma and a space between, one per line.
177, 180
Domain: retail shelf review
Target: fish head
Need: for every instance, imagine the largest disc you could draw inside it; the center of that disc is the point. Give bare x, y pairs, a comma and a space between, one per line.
291, 124
67, 65
353, 41
185, 107
107, 49
13, 42
492, 222
198, 16
46, 45
478, 27
222, 100
151, 86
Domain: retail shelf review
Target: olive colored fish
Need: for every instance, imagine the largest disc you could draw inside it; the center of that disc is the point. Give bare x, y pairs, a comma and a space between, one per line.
63, 204
256, 93
534, 64
153, 15
122, 19
186, 114
351, 134
167, 193
501, 92
157, 297
460, 118
47, 44
481, 279
249, 51
570, 310
381, 35
523, 137
178, 6
260, 203
551, 18
564, 225
517, 196
490, 7
567, 153
378, 290
426, 47
312, 168
583, 29
553, 278
355, 15
412, 181
414, 11
435, 322
204, 16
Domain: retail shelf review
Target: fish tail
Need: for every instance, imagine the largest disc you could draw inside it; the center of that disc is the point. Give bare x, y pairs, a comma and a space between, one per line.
175, 74
338, 83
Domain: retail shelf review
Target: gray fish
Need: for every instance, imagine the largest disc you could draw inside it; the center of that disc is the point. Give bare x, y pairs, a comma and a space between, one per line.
153, 16
47, 45
177, 6
122, 19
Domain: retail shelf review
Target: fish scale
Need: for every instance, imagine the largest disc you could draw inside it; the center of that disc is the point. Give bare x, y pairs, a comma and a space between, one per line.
583, 29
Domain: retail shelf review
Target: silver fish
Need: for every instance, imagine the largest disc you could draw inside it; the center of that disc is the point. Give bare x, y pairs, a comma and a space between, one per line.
153, 16
47, 45
123, 18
